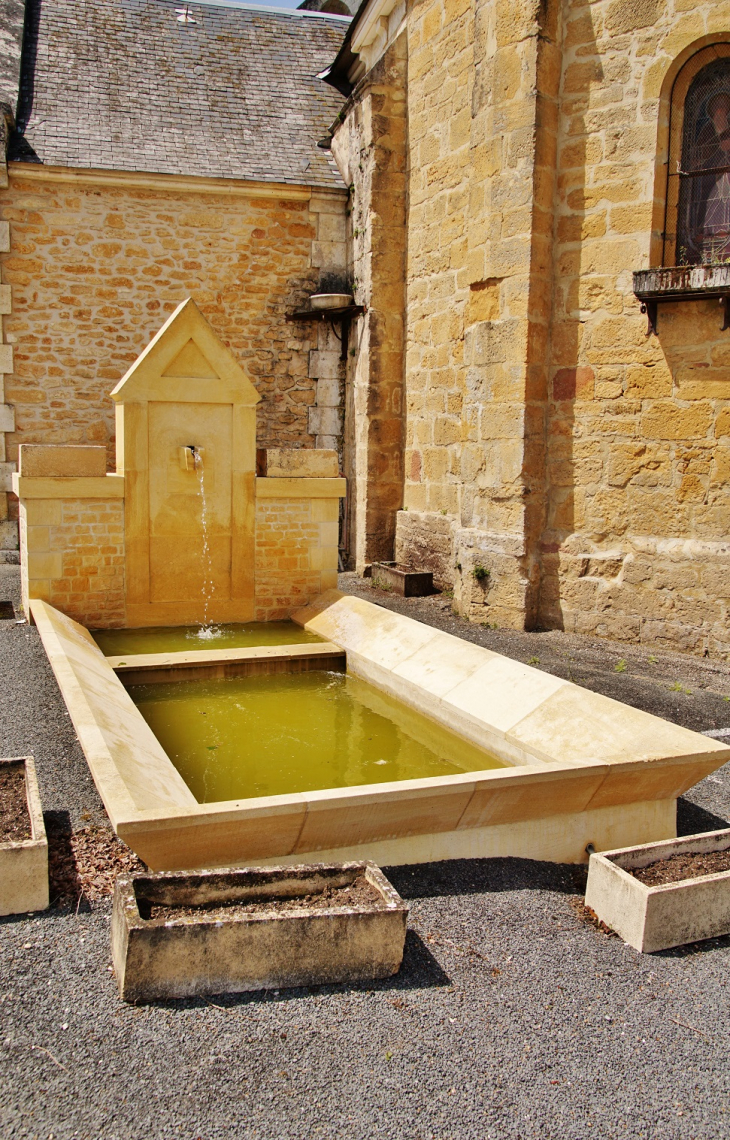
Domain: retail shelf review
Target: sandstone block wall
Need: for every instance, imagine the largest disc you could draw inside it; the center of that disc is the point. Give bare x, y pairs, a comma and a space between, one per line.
74, 553
482, 98
74, 557
8, 507
635, 545
548, 439
370, 149
296, 553
95, 268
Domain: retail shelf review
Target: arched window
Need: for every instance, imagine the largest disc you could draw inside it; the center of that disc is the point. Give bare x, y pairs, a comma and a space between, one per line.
703, 206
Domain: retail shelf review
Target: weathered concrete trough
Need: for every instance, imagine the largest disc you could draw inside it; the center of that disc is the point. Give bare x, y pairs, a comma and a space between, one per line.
654, 918
402, 580
24, 863
176, 934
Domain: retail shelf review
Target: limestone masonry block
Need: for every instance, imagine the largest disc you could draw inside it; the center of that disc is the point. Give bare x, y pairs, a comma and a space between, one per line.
8, 535
7, 418
328, 255
328, 393
324, 364
6, 476
4, 237
331, 227
325, 421
6, 359
42, 512
301, 464
6, 299
65, 461
47, 566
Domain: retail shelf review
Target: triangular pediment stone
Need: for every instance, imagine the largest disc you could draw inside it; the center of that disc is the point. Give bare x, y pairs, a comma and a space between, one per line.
186, 362
191, 362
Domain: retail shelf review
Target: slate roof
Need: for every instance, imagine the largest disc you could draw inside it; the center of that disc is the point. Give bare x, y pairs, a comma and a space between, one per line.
11, 37
125, 85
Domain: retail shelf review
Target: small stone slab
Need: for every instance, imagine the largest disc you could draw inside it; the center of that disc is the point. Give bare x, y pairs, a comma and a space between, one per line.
207, 953
401, 580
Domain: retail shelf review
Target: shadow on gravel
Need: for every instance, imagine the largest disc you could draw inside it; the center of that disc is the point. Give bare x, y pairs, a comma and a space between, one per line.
691, 818
419, 971
63, 878
694, 948
477, 876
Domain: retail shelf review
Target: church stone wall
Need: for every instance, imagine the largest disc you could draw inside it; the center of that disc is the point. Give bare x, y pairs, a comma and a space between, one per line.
481, 101
562, 468
95, 269
8, 509
636, 542
369, 146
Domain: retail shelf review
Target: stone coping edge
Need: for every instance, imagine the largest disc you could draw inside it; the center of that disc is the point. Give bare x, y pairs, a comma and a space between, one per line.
122, 663
109, 486
287, 487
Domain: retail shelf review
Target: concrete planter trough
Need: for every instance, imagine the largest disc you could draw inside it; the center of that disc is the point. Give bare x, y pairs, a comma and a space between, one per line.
24, 863
286, 939
654, 918
401, 580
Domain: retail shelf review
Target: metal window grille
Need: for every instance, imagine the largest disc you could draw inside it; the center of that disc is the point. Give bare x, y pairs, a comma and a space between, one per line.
703, 234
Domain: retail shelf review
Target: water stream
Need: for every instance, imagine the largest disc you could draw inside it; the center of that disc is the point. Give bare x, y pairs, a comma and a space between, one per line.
207, 630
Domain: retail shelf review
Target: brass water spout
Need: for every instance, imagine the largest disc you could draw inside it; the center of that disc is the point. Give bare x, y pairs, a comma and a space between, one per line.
191, 457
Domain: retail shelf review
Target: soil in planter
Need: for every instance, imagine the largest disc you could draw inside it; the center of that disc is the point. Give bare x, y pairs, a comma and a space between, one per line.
678, 867
14, 818
358, 893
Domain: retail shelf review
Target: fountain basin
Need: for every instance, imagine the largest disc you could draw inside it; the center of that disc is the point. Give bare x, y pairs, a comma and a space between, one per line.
579, 768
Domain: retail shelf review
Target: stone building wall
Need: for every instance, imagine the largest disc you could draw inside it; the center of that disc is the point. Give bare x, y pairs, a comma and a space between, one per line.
369, 146
95, 266
74, 554
8, 508
576, 464
296, 553
482, 119
636, 544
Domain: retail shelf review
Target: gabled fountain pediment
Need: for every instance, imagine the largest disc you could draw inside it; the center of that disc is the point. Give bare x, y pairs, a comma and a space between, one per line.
186, 362
183, 532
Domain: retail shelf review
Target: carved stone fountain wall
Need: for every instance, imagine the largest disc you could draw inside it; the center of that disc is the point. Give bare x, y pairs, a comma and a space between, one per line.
129, 549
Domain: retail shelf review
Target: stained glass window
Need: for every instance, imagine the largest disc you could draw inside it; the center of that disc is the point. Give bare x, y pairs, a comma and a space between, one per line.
703, 235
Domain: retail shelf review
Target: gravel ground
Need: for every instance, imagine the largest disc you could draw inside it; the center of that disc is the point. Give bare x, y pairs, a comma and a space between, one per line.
511, 1017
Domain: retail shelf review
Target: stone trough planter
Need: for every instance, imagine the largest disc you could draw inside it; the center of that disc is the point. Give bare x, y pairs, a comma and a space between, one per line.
24, 862
177, 934
401, 580
657, 917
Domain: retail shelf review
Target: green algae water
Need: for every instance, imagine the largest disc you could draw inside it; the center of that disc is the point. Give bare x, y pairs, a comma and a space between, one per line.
296, 732
182, 639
